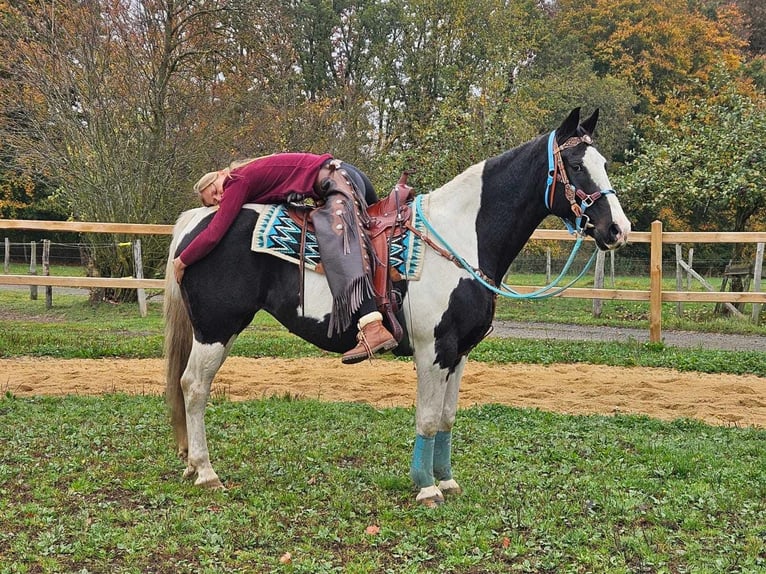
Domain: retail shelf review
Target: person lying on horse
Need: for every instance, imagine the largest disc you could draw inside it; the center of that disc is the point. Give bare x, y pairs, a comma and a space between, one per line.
343, 193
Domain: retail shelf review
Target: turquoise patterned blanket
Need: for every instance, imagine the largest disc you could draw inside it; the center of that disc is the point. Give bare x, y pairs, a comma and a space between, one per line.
277, 234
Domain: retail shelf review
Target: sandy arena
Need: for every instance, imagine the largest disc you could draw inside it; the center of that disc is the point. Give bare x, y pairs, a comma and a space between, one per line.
575, 389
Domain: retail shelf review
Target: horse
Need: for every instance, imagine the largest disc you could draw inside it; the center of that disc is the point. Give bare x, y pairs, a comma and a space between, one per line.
485, 215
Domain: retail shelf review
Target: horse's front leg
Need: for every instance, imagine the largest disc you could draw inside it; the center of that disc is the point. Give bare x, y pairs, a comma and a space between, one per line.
443, 439
204, 362
431, 395
437, 399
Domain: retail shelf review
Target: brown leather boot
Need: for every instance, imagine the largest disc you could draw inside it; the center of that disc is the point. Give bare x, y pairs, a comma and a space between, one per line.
373, 338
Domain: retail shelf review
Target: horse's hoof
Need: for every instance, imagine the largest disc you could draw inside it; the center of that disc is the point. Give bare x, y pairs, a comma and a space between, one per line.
450, 487
189, 472
434, 502
430, 497
212, 484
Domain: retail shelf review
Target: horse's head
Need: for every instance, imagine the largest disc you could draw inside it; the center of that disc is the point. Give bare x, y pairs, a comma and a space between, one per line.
578, 188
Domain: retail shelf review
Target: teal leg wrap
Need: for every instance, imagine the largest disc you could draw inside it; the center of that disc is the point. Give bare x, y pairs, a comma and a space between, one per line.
442, 455
422, 467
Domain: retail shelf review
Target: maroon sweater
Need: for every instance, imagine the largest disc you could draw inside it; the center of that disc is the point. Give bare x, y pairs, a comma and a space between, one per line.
266, 180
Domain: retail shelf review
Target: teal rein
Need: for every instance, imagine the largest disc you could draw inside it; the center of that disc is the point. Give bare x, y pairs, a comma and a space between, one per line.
505, 290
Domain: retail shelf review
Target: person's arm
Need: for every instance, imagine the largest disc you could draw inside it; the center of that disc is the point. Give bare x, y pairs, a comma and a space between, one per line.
234, 198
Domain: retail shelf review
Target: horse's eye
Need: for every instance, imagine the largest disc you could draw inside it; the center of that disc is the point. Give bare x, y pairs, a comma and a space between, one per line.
577, 167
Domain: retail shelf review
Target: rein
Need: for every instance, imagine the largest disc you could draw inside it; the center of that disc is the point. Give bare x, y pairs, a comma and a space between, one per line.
504, 290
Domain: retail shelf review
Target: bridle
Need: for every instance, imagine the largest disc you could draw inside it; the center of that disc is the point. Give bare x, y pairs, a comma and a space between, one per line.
557, 173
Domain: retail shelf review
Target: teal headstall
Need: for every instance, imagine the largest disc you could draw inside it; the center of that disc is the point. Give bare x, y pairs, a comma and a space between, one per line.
557, 172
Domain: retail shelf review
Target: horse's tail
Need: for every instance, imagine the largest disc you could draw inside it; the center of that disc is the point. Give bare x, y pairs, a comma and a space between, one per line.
178, 341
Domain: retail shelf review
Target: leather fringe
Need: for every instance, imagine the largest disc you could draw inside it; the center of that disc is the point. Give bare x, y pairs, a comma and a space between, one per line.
349, 226
346, 304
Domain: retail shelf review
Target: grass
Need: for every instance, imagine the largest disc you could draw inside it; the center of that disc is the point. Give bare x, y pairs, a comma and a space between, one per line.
694, 317
74, 328
62, 270
91, 485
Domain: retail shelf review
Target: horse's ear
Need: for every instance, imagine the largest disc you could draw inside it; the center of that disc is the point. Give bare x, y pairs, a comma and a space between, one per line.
568, 127
589, 125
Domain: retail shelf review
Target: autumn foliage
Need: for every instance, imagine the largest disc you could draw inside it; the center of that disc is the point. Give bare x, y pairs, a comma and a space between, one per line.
110, 109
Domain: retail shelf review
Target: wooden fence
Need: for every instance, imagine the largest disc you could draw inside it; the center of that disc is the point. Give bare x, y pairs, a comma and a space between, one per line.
655, 295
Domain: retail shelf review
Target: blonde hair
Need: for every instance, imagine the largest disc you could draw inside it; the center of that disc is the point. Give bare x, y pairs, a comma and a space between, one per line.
204, 181
211, 176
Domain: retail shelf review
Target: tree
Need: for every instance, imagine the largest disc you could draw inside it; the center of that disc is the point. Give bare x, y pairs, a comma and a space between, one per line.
563, 77
442, 86
755, 13
120, 101
659, 47
706, 174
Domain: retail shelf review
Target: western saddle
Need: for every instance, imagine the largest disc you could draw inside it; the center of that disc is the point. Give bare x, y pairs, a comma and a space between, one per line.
386, 220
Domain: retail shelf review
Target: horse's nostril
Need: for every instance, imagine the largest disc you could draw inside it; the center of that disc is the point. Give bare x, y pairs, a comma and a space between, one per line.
614, 232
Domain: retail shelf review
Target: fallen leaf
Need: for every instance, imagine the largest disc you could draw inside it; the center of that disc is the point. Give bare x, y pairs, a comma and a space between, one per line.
286, 558
372, 529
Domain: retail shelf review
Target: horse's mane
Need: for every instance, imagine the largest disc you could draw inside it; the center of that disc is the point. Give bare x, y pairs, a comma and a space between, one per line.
518, 153
187, 219
184, 219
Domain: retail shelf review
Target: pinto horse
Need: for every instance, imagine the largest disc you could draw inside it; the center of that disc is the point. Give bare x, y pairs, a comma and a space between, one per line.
485, 216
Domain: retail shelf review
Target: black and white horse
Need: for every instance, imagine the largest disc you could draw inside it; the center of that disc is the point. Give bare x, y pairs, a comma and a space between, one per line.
485, 215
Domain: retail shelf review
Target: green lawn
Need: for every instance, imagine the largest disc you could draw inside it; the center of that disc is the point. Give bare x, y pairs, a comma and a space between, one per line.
74, 328
56, 270
92, 485
700, 317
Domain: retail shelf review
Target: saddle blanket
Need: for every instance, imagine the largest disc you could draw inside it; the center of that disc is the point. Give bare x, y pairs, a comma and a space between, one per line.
277, 234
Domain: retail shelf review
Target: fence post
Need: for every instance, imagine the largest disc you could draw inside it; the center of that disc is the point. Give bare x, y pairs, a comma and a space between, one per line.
689, 275
47, 272
548, 265
679, 278
757, 274
7, 265
598, 282
33, 269
655, 284
139, 271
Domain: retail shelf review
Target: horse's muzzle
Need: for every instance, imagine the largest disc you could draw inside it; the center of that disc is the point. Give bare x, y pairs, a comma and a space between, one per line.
617, 236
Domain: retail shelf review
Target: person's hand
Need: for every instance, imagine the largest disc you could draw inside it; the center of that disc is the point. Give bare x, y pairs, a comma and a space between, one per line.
178, 269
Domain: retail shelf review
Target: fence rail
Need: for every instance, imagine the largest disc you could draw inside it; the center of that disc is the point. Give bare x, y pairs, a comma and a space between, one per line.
89, 282
655, 295
87, 227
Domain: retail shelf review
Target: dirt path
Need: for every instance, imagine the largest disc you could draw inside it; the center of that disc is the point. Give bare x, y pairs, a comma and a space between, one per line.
576, 389
671, 338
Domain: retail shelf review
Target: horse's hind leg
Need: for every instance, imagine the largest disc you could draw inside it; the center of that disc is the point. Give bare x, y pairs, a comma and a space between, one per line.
204, 362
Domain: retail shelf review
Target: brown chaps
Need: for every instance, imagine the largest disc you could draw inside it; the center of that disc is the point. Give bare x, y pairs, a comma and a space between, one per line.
344, 247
